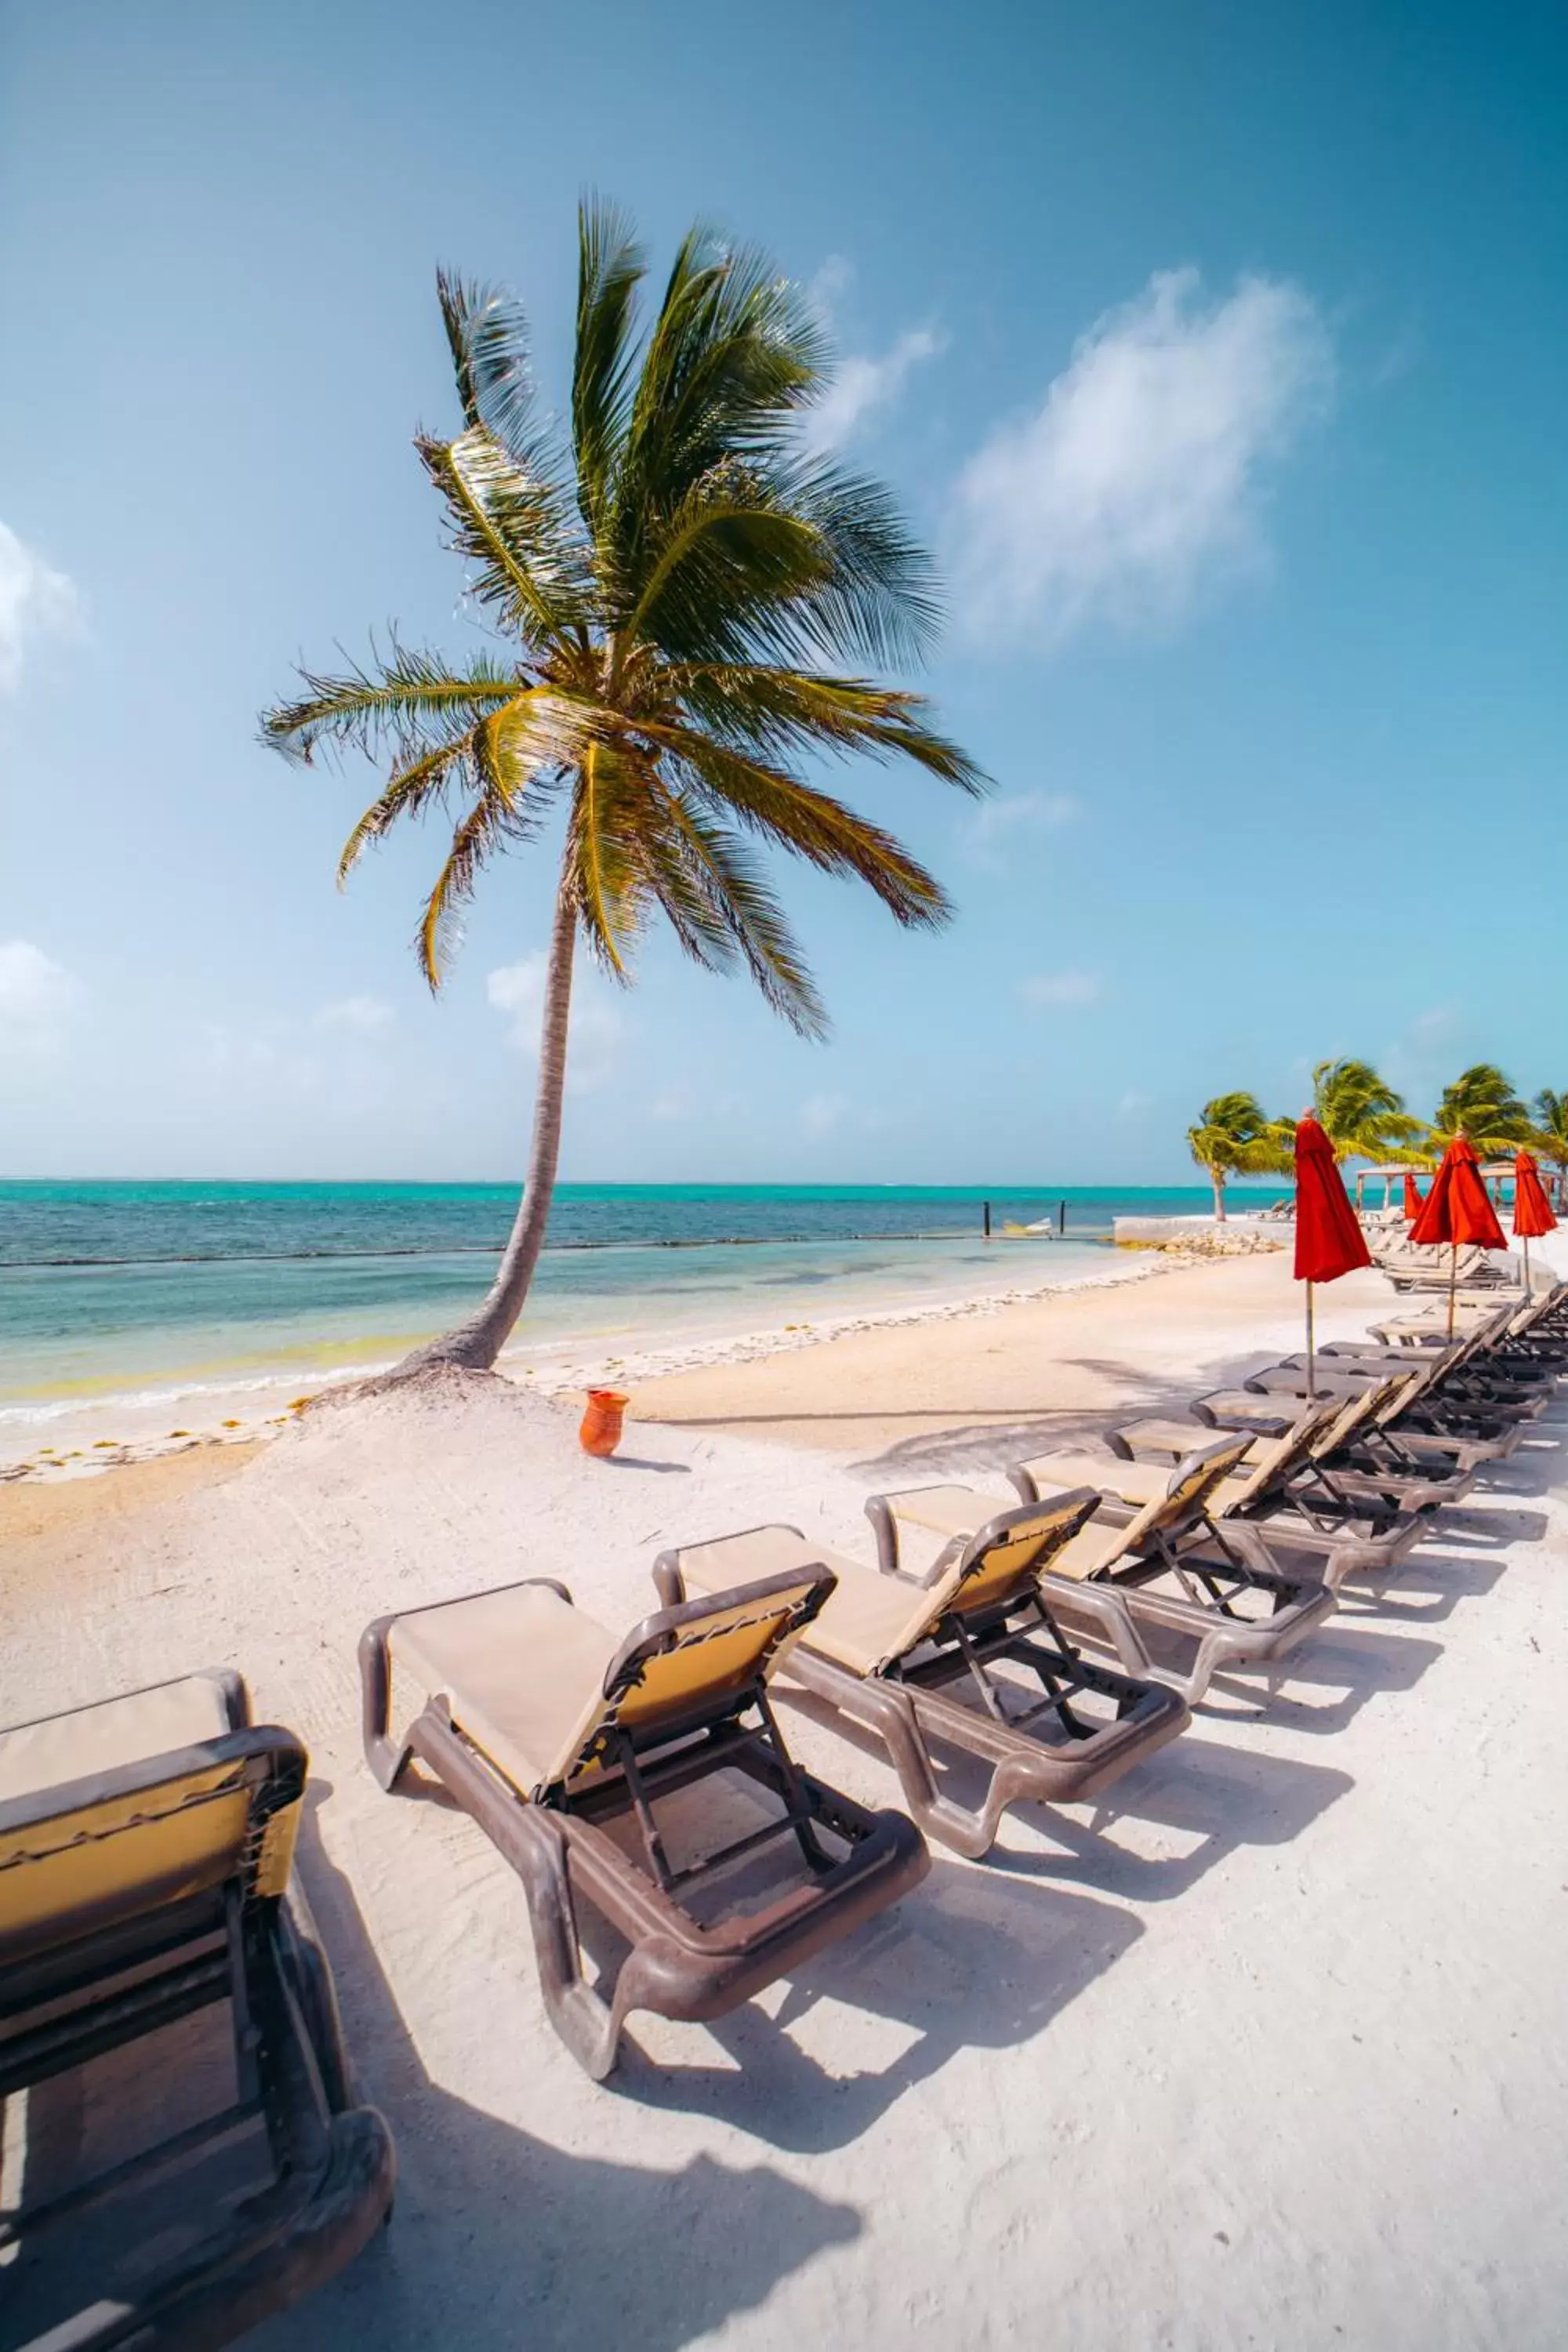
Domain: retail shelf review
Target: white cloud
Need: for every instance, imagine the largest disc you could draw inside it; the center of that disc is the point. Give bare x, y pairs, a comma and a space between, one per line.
597, 1023
1003, 820
33, 600
820, 1114
1060, 988
1139, 480
862, 385
36, 995
1132, 1103
362, 1014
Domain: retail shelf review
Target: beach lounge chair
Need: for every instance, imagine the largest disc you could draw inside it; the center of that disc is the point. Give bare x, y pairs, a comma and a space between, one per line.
1344, 1462
145, 1854
563, 1740
914, 1661
1470, 1377
1425, 1265
1459, 1390
1283, 1487
1159, 1566
1402, 1429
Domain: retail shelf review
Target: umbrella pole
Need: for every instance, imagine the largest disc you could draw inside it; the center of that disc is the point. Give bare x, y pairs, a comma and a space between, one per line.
1312, 1385
1526, 1240
1453, 1278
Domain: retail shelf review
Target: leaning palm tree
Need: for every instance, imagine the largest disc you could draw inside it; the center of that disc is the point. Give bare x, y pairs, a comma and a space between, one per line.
1361, 1113
679, 593
1483, 1104
1236, 1136
1550, 1137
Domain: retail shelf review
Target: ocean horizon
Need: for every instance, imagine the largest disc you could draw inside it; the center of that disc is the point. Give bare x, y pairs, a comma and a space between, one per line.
122, 1291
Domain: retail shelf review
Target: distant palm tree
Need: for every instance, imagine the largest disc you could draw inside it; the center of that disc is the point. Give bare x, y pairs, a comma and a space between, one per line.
1550, 1137
1236, 1136
1362, 1115
1483, 1104
678, 585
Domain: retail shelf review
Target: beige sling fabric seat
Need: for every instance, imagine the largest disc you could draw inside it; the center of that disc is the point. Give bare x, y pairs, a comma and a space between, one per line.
565, 1740
146, 1845
1156, 1563
914, 1661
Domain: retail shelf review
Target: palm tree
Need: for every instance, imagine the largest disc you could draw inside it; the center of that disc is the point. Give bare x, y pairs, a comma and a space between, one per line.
1236, 1136
1550, 1137
679, 591
1481, 1104
1361, 1114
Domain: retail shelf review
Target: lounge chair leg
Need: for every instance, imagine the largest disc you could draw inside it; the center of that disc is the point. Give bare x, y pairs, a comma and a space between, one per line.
590, 2028
386, 1759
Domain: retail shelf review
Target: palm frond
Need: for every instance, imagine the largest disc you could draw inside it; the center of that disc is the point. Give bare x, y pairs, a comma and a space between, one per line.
409, 792
512, 526
475, 841
763, 707
517, 751
414, 700
605, 853
719, 906
812, 824
725, 571
610, 267
486, 334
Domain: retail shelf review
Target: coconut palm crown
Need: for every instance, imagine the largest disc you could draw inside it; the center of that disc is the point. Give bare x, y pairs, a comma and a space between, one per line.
1236, 1136
681, 599
1362, 1115
1481, 1103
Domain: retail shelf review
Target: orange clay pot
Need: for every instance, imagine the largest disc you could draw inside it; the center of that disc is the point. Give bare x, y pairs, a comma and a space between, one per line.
601, 1431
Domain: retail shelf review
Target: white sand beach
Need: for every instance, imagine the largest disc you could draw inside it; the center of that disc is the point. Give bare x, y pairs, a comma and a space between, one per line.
1268, 2049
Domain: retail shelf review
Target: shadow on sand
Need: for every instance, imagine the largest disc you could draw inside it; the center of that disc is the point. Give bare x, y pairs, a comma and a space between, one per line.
498, 2238
970, 1960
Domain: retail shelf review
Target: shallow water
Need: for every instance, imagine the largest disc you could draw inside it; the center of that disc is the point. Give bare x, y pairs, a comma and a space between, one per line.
117, 1291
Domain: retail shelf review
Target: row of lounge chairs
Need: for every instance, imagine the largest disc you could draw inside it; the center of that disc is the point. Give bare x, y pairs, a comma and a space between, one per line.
1057, 1634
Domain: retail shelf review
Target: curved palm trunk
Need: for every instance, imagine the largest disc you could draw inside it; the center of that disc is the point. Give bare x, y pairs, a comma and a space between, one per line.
477, 1343
1217, 1177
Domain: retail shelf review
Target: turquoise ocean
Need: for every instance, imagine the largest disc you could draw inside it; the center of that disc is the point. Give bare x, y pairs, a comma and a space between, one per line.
127, 1290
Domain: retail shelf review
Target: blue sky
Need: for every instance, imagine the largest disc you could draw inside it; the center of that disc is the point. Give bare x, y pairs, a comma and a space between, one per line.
1221, 354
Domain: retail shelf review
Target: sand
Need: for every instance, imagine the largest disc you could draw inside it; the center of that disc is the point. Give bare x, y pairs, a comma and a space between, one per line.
1266, 2050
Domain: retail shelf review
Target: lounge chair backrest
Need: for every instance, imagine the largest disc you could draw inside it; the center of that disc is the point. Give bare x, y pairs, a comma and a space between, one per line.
119, 1842
1345, 1417
1187, 1491
1194, 1478
1398, 1395
701, 1657
1272, 1460
1005, 1557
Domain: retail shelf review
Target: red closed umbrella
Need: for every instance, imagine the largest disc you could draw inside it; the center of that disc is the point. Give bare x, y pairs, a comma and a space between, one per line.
1459, 1209
1412, 1198
1531, 1209
1329, 1241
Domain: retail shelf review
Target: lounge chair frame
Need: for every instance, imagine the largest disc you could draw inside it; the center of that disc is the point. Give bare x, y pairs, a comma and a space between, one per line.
908, 1706
127, 1973
561, 1846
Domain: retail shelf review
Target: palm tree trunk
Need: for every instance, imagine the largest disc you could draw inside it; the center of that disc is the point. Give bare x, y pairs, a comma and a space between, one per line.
477, 1343
1217, 1177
